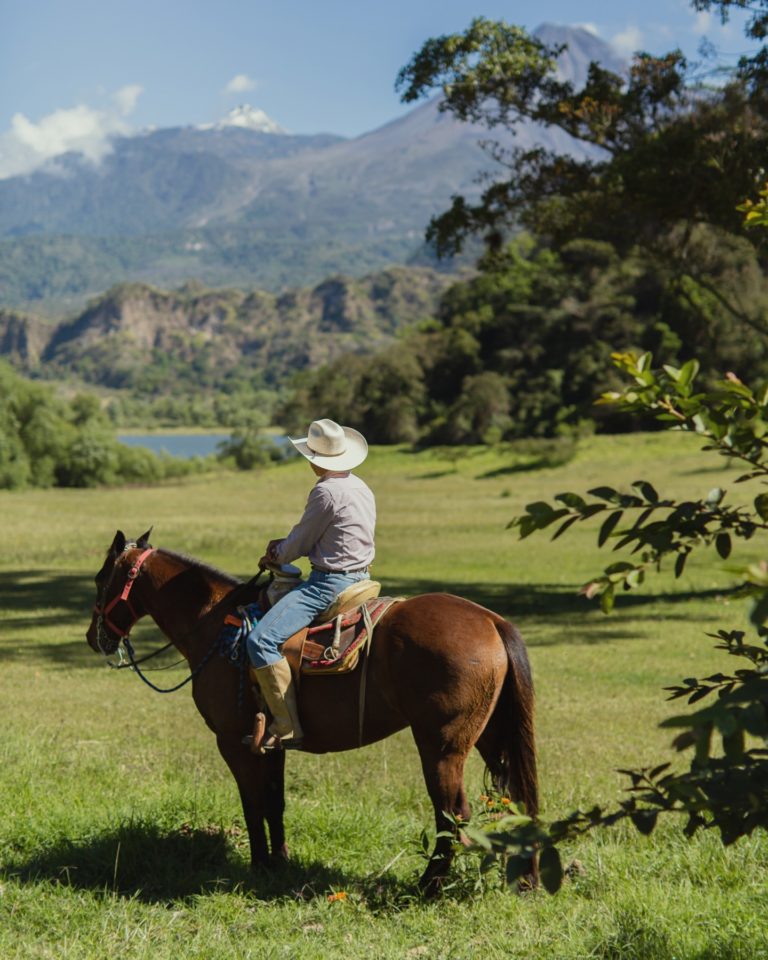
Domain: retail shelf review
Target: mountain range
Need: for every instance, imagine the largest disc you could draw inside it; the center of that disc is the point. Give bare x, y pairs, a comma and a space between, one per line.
243, 204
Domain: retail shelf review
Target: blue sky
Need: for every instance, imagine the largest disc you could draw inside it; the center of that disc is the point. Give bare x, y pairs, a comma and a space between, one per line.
73, 72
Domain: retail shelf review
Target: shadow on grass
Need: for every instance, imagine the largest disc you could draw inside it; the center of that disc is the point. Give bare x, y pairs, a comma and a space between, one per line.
155, 866
41, 598
578, 620
435, 475
541, 463
145, 862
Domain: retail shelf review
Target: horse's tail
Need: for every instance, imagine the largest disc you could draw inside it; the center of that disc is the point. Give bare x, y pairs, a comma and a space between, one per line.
512, 759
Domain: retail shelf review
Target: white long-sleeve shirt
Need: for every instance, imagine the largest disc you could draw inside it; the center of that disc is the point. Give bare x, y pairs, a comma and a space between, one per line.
336, 531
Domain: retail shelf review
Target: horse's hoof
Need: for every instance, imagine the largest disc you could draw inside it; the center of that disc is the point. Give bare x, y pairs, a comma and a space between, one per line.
281, 852
431, 886
279, 857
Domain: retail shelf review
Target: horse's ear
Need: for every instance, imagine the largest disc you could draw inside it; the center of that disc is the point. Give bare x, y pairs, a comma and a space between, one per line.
143, 540
118, 544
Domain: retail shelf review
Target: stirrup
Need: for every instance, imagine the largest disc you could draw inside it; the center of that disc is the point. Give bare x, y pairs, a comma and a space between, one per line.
262, 741
273, 744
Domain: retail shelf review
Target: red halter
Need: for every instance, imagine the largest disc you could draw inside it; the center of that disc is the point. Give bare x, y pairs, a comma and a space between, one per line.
123, 598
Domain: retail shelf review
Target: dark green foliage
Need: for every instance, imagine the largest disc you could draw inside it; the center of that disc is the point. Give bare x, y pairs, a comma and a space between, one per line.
523, 348
248, 447
669, 151
46, 441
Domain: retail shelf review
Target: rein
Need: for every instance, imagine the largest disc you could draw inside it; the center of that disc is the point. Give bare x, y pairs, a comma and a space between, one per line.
133, 663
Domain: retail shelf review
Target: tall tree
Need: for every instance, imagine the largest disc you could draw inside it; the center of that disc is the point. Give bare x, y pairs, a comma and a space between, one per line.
666, 154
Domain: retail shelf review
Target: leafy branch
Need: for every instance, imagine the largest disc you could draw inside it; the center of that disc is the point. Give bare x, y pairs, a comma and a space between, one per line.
730, 418
725, 786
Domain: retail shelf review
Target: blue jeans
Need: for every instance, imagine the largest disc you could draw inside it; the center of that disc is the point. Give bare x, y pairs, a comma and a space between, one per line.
295, 610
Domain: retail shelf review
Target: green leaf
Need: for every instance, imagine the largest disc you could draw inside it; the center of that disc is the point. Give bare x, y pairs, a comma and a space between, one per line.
564, 526
723, 545
688, 373
607, 599
605, 493
608, 526
646, 490
572, 500
540, 510
761, 505
551, 869
680, 563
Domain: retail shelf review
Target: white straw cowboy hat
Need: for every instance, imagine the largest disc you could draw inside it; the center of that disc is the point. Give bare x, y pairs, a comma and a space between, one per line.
332, 447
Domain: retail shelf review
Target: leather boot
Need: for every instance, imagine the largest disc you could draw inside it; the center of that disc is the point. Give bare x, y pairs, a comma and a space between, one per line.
276, 684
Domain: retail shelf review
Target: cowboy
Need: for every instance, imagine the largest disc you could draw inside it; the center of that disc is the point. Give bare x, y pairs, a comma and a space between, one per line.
336, 534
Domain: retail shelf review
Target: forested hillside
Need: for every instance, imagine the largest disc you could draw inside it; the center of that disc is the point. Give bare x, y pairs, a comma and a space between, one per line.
185, 346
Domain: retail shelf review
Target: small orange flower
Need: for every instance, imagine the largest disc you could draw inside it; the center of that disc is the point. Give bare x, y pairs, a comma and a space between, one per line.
506, 801
339, 895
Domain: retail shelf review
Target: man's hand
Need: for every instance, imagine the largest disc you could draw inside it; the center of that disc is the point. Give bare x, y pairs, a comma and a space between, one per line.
270, 554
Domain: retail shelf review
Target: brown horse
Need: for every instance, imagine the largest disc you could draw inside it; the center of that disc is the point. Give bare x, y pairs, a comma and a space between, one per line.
455, 673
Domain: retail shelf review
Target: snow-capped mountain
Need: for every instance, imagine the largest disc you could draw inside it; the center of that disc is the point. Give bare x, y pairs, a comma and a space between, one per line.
247, 118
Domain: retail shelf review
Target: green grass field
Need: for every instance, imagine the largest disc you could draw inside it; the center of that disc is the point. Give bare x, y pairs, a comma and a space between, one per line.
120, 828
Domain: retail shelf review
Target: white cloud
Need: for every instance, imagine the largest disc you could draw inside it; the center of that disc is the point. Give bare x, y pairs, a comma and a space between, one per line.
629, 41
240, 83
590, 28
126, 98
702, 23
81, 129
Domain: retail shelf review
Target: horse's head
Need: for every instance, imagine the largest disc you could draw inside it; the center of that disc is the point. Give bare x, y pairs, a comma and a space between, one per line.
114, 614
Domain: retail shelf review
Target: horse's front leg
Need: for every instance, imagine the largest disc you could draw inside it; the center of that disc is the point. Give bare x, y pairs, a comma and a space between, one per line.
274, 801
251, 777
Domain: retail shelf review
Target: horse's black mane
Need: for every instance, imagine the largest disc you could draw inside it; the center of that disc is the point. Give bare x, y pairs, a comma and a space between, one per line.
206, 568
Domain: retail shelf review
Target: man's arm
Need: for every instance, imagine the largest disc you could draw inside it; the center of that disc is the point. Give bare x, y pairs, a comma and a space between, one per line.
318, 513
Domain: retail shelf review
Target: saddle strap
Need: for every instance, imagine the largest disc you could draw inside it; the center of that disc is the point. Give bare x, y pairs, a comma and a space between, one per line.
293, 651
364, 653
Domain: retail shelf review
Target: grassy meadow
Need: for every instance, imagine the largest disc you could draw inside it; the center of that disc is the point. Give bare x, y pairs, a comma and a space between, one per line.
120, 828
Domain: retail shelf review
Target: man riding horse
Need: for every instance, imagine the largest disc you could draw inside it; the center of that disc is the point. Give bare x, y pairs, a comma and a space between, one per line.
336, 534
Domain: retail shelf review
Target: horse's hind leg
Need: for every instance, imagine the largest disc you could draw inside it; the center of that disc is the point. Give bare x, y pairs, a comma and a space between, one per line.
444, 776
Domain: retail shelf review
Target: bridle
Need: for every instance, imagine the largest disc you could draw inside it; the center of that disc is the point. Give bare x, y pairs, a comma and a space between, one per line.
104, 611
119, 639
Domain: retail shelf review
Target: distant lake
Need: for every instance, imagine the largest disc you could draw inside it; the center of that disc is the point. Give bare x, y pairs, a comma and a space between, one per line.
176, 444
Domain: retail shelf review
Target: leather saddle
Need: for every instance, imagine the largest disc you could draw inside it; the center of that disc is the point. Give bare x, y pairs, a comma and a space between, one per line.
333, 642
